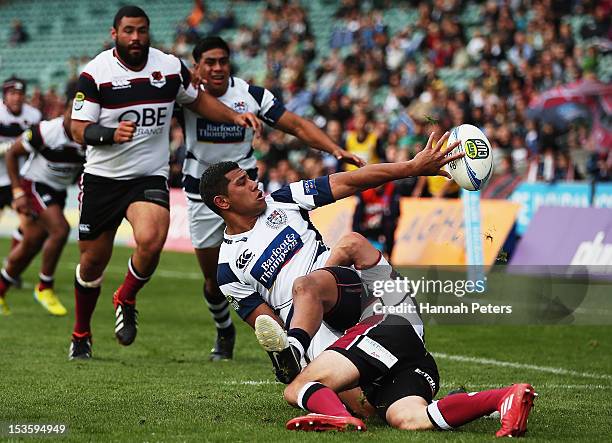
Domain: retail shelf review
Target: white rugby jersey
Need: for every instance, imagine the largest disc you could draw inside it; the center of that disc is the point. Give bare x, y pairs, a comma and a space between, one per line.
209, 142
55, 159
110, 92
260, 266
11, 127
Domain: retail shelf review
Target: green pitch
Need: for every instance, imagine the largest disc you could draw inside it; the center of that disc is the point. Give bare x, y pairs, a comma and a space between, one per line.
162, 388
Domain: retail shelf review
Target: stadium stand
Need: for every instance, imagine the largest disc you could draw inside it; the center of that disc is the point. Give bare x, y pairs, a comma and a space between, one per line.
403, 64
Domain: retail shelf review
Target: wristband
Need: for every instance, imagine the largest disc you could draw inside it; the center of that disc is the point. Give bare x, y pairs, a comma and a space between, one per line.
18, 193
97, 135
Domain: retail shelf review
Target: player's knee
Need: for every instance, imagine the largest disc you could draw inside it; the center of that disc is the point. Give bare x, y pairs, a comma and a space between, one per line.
403, 420
304, 287
91, 266
150, 245
409, 415
351, 243
211, 287
60, 231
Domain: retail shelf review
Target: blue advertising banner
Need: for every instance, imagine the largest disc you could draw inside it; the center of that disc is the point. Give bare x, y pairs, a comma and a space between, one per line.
576, 195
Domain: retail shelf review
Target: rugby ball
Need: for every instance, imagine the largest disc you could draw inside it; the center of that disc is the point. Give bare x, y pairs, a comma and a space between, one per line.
475, 168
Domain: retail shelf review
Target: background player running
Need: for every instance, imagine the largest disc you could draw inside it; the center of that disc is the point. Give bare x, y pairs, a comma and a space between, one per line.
55, 161
210, 142
15, 117
123, 112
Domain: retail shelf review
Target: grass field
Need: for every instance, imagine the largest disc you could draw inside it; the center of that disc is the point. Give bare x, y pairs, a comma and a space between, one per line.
162, 388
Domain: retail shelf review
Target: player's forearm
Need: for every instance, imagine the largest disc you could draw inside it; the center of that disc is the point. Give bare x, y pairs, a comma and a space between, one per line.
77, 130
310, 134
262, 309
344, 184
209, 107
12, 163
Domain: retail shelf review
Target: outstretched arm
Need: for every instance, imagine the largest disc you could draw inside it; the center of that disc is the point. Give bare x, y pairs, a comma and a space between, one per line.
314, 137
208, 106
427, 162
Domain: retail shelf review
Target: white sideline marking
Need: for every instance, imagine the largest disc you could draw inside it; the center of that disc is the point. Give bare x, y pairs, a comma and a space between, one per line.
444, 385
158, 272
542, 386
251, 382
510, 364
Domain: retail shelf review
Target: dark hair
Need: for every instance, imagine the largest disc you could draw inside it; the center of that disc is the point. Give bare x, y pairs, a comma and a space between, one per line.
129, 11
208, 43
14, 82
213, 182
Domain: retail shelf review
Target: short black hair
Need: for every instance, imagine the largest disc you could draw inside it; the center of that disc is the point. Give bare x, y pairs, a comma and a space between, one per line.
213, 182
129, 11
208, 43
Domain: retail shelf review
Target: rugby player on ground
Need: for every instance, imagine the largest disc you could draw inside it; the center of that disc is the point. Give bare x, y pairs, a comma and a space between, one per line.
210, 142
55, 161
122, 111
263, 234
269, 244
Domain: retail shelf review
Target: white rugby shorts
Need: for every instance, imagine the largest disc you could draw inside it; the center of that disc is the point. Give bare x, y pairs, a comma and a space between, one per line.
205, 227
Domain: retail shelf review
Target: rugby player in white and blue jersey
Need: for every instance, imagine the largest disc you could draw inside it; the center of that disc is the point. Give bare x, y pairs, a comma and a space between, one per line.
209, 142
270, 242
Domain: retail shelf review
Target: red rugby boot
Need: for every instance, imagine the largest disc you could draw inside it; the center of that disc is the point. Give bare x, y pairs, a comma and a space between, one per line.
514, 410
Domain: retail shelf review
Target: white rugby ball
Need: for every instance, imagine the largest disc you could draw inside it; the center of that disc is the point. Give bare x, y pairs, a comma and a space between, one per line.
473, 170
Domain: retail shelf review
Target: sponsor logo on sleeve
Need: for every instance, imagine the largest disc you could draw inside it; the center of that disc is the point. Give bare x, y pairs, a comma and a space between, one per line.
79, 100
310, 187
233, 302
276, 219
278, 253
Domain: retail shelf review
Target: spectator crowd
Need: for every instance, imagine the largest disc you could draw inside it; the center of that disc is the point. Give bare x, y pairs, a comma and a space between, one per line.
380, 93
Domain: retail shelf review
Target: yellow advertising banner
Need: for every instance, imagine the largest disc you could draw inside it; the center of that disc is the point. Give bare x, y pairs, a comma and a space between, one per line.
429, 231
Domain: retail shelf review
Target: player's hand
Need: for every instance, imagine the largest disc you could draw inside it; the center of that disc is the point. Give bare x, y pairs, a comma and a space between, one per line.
431, 159
248, 119
348, 157
124, 132
21, 204
197, 81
